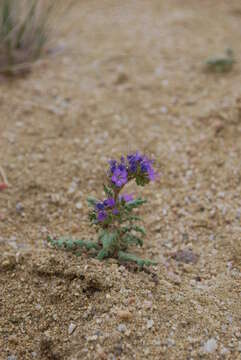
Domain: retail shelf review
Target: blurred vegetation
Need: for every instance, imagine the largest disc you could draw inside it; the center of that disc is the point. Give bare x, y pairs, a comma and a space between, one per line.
24, 32
221, 64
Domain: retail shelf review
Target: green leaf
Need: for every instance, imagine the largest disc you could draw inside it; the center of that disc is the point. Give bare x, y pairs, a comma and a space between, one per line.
109, 192
92, 201
108, 240
134, 218
132, 239
103, 254
123, 256
139, 229
109, 243
134, 204
71, 244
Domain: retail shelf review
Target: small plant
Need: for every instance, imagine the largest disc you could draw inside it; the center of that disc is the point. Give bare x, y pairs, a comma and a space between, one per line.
221, 64
115, 218
23, 33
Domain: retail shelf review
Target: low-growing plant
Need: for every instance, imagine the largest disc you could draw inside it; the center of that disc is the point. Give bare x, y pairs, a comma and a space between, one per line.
221, 64
115, 217
23, 33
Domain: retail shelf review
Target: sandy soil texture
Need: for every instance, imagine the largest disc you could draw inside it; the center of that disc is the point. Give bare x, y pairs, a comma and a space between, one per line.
126, 75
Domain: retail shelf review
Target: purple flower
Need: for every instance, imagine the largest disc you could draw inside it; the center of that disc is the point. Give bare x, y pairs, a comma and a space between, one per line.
109, 202
113, 164
100, 206
151, 174
126, 197
134, 161
115, 211
146, 167
141, 164
102, 215
119, 177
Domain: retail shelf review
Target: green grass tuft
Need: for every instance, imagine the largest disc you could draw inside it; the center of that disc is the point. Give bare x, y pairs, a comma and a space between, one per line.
24, 32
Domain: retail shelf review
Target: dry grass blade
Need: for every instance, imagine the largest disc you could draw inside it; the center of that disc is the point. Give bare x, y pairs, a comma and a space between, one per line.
3, 175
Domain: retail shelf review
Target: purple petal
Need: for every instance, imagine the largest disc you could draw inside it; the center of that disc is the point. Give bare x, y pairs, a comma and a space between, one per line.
126, 197
102, 215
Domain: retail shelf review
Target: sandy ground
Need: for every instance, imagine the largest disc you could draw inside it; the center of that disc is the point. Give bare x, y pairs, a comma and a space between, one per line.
129, 76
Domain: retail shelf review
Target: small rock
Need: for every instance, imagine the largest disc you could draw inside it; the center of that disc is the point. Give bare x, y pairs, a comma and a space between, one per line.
118, 349
238, 214
19, 208
170, 342
92, 338
79, 205
72, 328
210, 346
218, 126
55, 198
224, 351
164, 110
12, 357
187, 268
147, 304
8, 263
121, 78
174, 278
13, 339
185, 256
122, 328
72, 188
101, 353
124, 315
149, 324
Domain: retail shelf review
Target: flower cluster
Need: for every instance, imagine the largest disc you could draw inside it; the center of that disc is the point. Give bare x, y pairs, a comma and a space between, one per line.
110, 207
134, 166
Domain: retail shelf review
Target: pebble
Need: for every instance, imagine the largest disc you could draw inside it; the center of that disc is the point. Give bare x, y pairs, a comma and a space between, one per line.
124, 315
147, 304
92, 338
12, 357
170, 342
72, 328
79, 205
224, 351
164, 110
185, 256
122, 328
55, 198
101, 353
210, 346
238, 214
149, 324
8, 263
121, 78
19, 208
72, 188
174, 278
